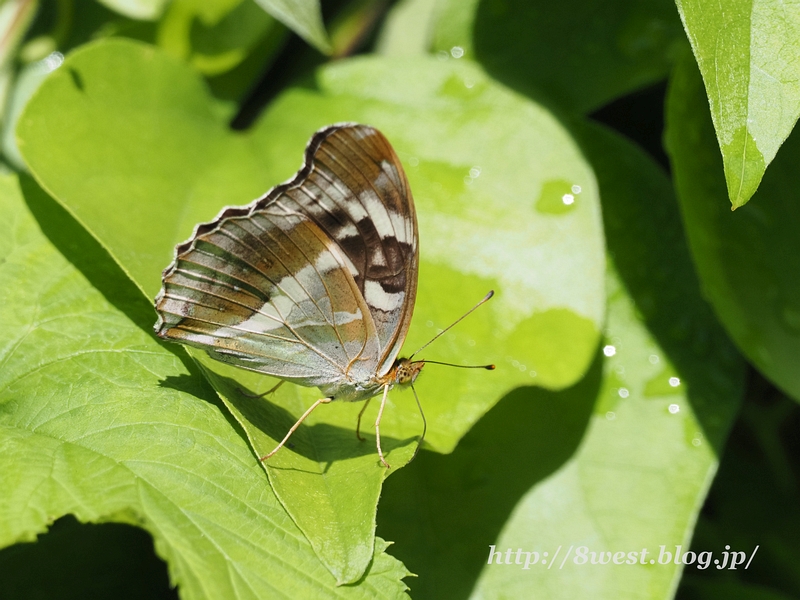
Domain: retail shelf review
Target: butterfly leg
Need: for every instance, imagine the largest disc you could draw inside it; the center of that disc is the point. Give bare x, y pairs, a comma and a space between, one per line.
358, 423
378, 426
295, 426
267, 393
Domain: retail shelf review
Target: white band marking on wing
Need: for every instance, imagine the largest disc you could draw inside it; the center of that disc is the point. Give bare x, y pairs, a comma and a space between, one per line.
378, 298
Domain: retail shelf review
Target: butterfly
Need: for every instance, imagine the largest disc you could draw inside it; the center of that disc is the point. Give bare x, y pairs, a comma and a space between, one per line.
313, 283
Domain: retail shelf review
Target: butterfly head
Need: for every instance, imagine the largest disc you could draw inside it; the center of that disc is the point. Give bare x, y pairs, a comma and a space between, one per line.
406, 371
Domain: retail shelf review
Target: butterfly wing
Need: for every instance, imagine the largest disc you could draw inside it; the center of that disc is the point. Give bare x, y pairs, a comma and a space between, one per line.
269, 291
355, 189
315, 282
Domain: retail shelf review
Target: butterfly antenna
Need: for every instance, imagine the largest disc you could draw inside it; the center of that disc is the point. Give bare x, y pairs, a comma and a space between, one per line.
453, 324
436, 362
424, 423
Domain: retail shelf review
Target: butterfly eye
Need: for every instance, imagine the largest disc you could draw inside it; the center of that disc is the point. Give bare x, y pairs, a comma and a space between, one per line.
408, 372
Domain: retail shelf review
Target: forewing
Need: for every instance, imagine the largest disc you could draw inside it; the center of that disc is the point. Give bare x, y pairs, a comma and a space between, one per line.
269, 291
353, 186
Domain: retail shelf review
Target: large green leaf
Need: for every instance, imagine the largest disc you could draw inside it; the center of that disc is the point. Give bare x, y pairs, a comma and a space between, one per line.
748, 260
578, 55
747, 51
100, 420
619, 462
504, 199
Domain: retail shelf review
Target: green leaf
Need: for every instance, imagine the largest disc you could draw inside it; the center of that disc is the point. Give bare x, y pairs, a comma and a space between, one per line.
407, 29
214, 37
26, 82
143, 156
118, 92
148, 10
99, 420
747, 260
619, 462
747, 53
304, 17
575, 54
328, 482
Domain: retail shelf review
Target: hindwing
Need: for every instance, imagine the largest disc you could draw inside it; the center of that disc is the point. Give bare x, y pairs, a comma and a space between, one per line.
271, 293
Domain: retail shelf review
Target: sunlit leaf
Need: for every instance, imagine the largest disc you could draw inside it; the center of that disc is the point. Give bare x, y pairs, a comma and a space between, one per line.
747, 52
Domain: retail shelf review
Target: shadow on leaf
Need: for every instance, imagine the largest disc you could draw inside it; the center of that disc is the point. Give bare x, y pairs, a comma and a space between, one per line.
321, 442
443, 512
108, 560
542, 49
85, 252
95, 263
